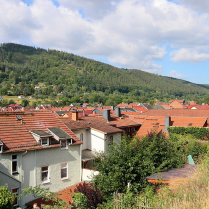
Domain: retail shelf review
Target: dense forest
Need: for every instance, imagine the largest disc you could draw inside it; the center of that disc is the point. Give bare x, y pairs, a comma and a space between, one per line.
84, 80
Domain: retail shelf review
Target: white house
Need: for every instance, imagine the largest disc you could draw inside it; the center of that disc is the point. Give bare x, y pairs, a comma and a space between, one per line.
96, 135
38, 150
21, 96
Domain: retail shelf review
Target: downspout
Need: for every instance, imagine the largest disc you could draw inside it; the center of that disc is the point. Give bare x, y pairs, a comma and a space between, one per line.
21, 172
81, 170
35, 180
21, 164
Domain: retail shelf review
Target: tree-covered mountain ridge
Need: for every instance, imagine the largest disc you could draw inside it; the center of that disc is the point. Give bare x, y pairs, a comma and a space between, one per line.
31, 65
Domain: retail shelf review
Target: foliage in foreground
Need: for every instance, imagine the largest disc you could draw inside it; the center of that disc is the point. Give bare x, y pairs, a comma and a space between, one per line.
86, 194
189, 193
47, 196
132, 161
6, 198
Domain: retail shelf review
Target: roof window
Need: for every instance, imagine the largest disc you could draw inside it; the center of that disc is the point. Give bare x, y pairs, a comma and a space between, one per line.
18, 117
189, 124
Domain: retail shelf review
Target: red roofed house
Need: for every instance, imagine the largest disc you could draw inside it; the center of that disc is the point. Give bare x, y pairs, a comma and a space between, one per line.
181, 101
37, 149
176, 104
161, 123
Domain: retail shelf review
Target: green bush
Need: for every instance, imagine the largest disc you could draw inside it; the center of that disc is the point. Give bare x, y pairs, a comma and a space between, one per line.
195, 148
197, 132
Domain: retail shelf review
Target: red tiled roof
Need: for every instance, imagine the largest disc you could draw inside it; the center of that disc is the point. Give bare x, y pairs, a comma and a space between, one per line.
123, 122
140, 108
178, 112
151, 124
122, 105
15, 133
95, 122
132, 104
64, 194
157, 123
185, 121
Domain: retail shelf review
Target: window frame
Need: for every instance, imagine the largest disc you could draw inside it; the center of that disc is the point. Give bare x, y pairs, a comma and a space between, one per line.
47, 142
1, 148
15, 160
66, 147
66, 167
48, 178
16, 199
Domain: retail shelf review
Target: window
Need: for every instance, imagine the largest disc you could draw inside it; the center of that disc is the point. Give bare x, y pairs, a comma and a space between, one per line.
63, 144
1, 148
129, 130
111, 140
45, 141
14, 164
45, 174
64, 171
81, 136
15, 191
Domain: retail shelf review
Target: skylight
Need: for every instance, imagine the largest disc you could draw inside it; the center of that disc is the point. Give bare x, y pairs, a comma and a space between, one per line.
18, 117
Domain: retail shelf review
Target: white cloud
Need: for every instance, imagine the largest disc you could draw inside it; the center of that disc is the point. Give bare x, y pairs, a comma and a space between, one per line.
200, 5
174, 74
130, 33
188, 55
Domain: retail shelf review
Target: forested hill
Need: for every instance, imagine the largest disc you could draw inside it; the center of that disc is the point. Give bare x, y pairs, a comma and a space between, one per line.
30, 65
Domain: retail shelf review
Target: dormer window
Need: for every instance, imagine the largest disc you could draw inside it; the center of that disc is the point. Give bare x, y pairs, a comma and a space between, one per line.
63, 144
45, 141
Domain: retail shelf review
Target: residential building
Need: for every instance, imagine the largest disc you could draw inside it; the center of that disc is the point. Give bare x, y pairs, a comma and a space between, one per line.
36, 148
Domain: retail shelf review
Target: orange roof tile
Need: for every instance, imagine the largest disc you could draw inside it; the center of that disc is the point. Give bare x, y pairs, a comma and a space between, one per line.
178, 112
122, 105
64, 194
15, 133
151, 124
140, 108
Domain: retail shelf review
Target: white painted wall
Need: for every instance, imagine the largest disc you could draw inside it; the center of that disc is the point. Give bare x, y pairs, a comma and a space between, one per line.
32, 162
86, 138
97, 141
87, 174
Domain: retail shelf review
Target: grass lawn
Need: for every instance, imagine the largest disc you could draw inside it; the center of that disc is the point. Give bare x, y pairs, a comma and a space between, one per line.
18, 100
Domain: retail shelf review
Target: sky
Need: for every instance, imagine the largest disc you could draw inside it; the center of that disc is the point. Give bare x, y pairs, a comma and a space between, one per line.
165, 37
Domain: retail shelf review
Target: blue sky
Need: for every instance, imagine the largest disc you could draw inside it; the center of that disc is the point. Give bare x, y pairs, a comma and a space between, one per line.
166, 37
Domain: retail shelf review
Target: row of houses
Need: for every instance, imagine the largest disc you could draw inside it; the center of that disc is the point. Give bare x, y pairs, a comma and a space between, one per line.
55, 148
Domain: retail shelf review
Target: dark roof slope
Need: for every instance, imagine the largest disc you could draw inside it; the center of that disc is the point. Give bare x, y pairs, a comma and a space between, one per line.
59, 132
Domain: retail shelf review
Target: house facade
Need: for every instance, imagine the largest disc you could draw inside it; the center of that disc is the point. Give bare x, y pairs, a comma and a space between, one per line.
40, 150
